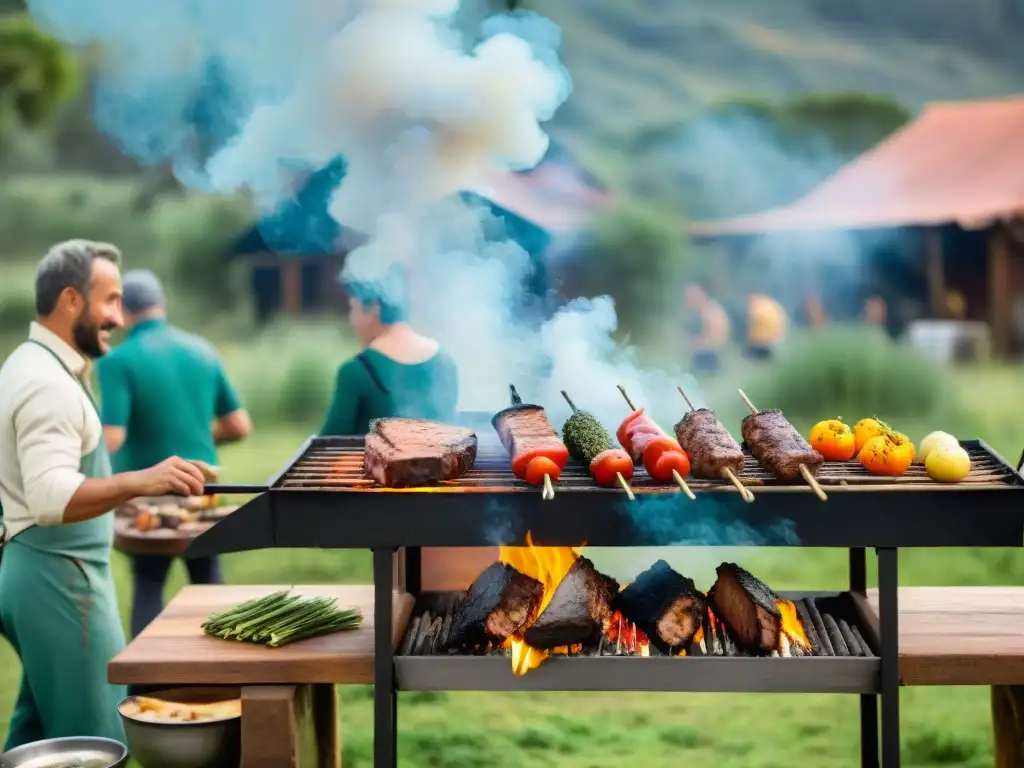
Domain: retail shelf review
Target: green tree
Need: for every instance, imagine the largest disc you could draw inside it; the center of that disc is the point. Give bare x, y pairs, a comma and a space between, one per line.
37, 75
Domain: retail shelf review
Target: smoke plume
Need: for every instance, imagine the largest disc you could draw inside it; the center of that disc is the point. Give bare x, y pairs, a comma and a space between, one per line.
256, 95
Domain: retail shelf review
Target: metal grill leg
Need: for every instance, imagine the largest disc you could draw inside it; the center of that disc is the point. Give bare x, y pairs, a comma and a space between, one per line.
413, 570
868, 701
889, 628
385, 695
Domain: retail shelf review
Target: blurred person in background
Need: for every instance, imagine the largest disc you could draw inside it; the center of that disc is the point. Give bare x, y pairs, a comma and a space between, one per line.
57, 603
708, 326
398, 373
164, 393
766, 326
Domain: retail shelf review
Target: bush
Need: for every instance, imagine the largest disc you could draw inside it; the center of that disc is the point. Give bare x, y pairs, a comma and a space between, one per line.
856, 373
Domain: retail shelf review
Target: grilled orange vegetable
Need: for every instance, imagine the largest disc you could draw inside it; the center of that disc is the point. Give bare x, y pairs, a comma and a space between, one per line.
834, 440
864, 430
884, 455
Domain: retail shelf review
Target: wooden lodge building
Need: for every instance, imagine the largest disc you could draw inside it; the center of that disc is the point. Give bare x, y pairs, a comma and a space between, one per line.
296, 253
951, 183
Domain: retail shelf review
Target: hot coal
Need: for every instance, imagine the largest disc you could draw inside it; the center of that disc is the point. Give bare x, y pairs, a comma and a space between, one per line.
401, 453
667, 606
747, 606
498, 605
579, 611
810, 630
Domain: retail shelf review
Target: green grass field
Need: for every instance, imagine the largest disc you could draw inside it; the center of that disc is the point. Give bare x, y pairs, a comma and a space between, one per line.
941, 727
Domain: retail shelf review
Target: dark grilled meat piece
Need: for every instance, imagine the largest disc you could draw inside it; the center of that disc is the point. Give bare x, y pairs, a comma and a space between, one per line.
525, 428
748, 608
665, 605
401, 453
579, 612
712, 449
498, 605
777, 445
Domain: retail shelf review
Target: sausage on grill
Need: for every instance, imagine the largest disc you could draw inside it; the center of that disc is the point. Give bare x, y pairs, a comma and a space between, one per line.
526, 433
712, 449
778, 446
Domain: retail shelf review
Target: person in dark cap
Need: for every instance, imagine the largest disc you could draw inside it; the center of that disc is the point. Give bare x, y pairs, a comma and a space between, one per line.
164, 393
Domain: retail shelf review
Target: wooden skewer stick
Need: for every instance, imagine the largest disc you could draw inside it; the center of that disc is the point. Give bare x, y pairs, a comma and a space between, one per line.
811, 480
675, 473
549, 492
622, 480
745, 493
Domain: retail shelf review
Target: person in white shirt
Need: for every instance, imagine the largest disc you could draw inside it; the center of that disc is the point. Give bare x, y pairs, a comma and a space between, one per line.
57, 602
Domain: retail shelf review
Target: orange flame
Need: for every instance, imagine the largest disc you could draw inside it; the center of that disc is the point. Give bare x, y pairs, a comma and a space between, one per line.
548, 565
790, 625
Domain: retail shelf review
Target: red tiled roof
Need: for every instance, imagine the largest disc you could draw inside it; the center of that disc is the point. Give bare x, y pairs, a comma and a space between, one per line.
959, 162
551, 196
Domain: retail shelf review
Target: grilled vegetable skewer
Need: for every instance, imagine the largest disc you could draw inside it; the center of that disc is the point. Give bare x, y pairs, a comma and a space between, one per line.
538, 455
662, 456
779, 447
590, 444
714, 452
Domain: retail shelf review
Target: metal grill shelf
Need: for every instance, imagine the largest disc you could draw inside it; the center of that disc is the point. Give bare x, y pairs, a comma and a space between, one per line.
818, 674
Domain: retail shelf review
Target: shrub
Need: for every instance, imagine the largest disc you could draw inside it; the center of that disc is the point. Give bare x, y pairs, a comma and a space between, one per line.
854, 372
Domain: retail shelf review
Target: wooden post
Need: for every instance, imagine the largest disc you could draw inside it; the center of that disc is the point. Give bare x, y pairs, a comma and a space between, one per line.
1008, 725
935, 271
999, 306
290, 726
291, 285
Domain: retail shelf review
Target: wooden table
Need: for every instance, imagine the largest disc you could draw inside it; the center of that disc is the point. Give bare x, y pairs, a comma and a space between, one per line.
968, 636
287, 693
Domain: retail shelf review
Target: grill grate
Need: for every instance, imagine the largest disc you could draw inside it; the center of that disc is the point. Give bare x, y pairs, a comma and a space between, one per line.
336, 464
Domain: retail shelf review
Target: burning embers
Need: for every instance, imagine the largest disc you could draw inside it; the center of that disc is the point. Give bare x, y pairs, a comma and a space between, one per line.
542, 601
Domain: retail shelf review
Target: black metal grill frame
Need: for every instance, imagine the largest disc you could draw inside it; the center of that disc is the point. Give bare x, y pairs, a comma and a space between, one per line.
884, 518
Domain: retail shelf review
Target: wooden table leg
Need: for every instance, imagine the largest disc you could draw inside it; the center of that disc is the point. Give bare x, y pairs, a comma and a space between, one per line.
290, 726
1008, 725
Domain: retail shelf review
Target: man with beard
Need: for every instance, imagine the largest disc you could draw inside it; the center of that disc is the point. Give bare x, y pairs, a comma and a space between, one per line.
57, 602
165, 393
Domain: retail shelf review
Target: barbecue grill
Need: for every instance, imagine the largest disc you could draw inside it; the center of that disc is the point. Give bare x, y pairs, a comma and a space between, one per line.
321, 500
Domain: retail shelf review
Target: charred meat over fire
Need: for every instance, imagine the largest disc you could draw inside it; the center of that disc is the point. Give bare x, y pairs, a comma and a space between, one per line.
579, 611
665, 605
748, 607
401, 453
712, 449
778, 446
498, 605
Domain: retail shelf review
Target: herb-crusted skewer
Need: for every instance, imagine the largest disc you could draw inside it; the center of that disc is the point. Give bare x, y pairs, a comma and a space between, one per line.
591, 445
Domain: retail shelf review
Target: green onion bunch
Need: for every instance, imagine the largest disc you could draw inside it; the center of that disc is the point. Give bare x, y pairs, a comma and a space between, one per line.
282, 618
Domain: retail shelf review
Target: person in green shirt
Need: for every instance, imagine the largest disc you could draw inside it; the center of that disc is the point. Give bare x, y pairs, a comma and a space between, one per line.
400, 373
164, 393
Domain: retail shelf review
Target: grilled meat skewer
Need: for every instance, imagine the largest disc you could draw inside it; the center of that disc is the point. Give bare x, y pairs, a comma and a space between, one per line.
714, 452
538, 455
662, 456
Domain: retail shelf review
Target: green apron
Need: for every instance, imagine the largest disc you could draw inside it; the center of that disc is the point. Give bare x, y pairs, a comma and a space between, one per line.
59, 611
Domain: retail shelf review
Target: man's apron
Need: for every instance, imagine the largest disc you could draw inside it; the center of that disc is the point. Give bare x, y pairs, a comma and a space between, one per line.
59, 611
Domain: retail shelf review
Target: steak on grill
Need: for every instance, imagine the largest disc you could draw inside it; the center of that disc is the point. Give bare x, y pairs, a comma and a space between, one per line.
401, 453
712, 449
748, 608
498, 605
667, 606
579, 612
777, 445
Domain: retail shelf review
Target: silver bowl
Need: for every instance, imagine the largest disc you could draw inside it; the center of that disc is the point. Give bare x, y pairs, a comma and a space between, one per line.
200, 744
88, 751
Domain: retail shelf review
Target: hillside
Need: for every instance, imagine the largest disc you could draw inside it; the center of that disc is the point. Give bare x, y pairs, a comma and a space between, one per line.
657, 61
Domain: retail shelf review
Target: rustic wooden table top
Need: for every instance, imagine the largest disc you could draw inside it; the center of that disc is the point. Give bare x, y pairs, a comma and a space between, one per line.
960, 635
173, 649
